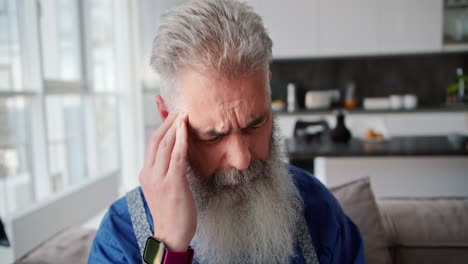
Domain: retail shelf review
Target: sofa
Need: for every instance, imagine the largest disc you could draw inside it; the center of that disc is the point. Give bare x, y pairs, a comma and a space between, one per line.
407, 230
394, 230
426, 230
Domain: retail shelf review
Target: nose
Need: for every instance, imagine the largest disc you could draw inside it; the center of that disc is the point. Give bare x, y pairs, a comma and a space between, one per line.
238, 152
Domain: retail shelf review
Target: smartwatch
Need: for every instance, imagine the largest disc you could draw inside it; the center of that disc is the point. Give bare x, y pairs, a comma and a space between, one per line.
156, 252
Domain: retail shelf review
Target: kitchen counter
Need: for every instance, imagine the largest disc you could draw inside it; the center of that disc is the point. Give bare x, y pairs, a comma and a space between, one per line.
301, 150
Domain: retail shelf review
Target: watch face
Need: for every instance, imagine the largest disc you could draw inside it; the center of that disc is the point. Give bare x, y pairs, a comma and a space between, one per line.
154, 251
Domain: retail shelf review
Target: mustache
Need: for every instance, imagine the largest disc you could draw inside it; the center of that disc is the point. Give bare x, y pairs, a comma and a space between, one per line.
231, 184
233, 177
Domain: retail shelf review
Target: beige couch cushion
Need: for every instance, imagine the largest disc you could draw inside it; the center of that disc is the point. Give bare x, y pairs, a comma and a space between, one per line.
426, 222
429, 230
358, 201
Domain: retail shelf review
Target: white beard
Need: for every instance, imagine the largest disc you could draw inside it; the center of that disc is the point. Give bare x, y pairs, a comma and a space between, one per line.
254, 222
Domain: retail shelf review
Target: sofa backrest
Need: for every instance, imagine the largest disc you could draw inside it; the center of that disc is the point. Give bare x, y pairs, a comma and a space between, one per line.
426, 230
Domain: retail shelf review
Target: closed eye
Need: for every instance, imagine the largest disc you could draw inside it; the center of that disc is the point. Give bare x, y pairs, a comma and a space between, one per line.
256, 123
212, 140
212, 137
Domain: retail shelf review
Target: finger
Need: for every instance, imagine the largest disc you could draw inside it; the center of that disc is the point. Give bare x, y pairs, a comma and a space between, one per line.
165, 147
153, 143
177, 164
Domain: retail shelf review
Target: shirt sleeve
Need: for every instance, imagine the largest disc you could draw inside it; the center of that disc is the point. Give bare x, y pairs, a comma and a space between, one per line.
115, 241
105, 250
349, 247
336, 238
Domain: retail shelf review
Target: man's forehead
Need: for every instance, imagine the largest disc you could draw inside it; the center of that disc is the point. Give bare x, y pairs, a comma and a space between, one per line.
227, 116
216, 102
232, 105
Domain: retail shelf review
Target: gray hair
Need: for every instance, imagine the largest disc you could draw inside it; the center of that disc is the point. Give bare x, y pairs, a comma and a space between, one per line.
223, 36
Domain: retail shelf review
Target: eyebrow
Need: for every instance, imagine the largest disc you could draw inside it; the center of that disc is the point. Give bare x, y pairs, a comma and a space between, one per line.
251, 124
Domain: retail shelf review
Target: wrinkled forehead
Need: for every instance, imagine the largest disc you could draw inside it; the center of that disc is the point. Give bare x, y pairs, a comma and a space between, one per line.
213, 100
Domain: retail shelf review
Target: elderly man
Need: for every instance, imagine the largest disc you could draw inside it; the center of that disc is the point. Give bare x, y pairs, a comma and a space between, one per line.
214, 187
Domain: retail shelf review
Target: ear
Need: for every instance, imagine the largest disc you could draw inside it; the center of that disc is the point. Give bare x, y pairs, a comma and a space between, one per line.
162, 108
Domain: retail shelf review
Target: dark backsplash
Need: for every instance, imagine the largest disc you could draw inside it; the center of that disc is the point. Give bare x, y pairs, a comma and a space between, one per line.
427, 76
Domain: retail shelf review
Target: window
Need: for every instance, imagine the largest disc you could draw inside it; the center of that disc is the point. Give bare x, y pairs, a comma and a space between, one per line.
60, 40
63, 131
15, 150
102, 43
10, 59
65, 141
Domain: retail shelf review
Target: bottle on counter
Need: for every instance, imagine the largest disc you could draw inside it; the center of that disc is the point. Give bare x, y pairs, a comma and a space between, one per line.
350, 99
461, 85
291, 97
456, 92
340, 133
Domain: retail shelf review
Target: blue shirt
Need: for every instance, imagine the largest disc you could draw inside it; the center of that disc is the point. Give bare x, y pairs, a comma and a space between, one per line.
335, 237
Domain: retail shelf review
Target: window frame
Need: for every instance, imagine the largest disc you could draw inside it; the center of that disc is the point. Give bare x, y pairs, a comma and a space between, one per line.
130, 134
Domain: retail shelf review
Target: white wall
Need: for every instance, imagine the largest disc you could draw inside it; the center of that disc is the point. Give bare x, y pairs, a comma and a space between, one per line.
399, 176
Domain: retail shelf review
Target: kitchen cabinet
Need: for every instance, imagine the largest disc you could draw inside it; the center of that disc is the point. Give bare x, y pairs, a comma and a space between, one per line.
347, 27
409, 26
326, 28
292, 25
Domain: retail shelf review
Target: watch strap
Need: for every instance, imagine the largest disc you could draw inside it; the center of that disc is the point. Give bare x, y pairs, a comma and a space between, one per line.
172, 257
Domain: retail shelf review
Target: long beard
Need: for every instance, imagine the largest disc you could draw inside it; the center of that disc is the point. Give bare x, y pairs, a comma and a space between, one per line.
247, 216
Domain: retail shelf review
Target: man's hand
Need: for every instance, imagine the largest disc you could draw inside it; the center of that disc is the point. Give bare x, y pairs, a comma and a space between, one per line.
166, 187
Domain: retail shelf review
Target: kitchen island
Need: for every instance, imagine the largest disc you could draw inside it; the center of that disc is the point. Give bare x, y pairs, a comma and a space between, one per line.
451, 145
410, 166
